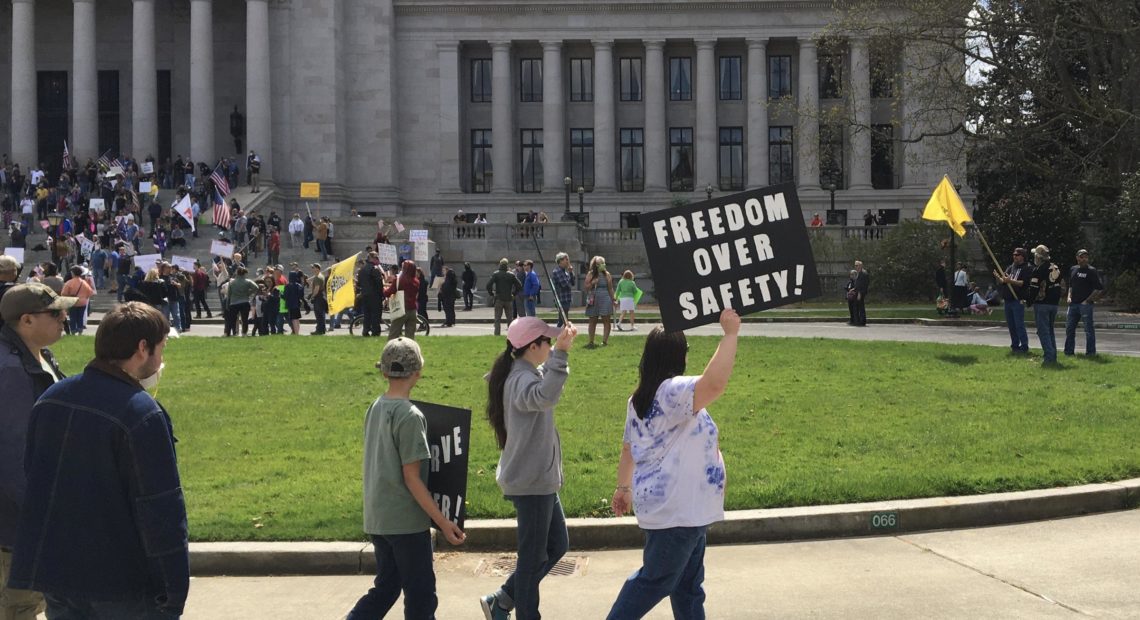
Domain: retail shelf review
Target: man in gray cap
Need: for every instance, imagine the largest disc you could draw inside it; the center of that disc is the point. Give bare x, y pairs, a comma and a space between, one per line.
33, 320
9, 272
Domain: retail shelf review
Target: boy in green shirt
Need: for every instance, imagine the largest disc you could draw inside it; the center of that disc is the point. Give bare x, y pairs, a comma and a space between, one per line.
398, 509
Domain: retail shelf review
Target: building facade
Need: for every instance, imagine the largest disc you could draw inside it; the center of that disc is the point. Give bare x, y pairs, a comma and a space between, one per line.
420, 108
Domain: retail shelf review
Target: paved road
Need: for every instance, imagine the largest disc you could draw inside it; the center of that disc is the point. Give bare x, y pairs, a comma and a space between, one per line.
1067, 568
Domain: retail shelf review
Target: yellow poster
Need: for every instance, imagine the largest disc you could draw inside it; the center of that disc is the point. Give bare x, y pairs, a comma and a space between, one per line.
339, 290
310, 190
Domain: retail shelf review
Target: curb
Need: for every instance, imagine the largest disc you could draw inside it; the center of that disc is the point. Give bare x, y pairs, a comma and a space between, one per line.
739, 527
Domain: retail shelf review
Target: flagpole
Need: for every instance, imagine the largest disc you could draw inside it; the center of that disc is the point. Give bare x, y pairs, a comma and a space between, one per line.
557, 302
997, 265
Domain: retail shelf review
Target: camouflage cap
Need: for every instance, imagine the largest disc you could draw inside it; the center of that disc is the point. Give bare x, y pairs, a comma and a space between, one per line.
401, 358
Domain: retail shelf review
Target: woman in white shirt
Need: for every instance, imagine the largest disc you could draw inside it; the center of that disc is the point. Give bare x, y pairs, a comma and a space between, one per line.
671, 471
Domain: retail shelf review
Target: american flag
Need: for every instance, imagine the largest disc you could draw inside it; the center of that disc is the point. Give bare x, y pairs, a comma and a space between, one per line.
221, 210
218, 176
66, 157
135, 201
105, 159
115, 163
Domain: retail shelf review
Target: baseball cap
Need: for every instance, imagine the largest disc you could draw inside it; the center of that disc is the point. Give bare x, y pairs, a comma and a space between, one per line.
526, 329
401, 358
316, 266
1082, 252
9, 263
31, 298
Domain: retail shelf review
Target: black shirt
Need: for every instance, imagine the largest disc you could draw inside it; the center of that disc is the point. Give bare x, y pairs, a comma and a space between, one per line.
1021, 274
1045, 285
1082, 282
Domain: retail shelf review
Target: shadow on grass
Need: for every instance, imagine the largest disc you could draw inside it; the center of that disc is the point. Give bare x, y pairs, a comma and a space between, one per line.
958, 360
1096, 359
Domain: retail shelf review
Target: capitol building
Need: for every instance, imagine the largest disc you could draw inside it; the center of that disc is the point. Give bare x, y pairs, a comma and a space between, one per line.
419, 108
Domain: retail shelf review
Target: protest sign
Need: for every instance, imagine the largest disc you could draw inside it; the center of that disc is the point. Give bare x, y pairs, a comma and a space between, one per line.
222, 248
86, 246
185, 263
388, 254
448, 430
16, 253
96, 204
144, 187
146, 262
422, 253
310, 190
417, 235
148, 168
113, 172
749, 251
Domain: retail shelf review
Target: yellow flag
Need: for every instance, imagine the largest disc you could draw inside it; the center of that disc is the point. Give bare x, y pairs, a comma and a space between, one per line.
339, 289
946, 206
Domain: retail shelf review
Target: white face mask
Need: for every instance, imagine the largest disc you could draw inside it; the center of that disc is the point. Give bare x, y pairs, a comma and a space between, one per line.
149, 383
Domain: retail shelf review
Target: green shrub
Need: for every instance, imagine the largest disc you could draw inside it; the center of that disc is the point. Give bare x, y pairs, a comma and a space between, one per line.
1124, 290
902, 263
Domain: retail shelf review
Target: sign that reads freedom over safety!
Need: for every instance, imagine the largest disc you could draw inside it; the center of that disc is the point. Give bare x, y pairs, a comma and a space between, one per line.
748, 251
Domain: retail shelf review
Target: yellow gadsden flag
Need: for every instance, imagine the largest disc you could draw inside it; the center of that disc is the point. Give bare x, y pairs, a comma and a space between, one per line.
339, 289
946, 206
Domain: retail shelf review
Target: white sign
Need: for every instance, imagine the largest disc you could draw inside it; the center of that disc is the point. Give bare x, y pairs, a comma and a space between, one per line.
222, 248
18, 254
148, 167
144, 187
146, 262
113, 172
421, 254
388, 254
96, 204
86, 245
417, 235
185, 263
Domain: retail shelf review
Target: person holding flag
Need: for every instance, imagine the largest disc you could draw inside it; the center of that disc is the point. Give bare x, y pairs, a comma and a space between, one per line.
186, 210
340, 290
222, 216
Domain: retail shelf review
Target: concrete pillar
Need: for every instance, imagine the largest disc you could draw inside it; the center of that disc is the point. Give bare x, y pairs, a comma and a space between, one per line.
605, 165
144, 83
656, 146
84, 85
860, 132
706, 130
25, 137
502, 128
449, 175
913, 160
806, 143
757, 86
259, 119
202, 81
553, 122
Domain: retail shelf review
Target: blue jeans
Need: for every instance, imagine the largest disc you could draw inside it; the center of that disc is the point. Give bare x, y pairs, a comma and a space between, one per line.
97, 274
65, 608
122, 280
1079, 313
403, 563
531, 309
323, 248
674, 566
1015, 319
174, 314
542, 541
1043, 317
75, 316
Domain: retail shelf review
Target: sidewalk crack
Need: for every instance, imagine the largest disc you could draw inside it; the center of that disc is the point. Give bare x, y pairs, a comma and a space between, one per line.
1011, 584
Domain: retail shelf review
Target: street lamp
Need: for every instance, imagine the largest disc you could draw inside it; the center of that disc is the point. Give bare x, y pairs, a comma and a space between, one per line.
831, 188
566, 216
708, 191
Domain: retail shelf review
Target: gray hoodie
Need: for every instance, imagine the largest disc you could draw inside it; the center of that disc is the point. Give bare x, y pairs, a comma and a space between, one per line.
531, 462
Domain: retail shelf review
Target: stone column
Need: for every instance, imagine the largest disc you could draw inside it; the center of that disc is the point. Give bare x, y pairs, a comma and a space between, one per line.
25, 138
502, 129
604, 136
553, 123
656, 146
706, 130
259, 119
860, 132
806, 143
84, 85
202, 81
913, 159
144, 83
757, 113
449, 176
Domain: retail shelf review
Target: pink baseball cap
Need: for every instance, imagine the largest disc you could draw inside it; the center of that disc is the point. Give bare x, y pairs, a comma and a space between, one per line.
526, 329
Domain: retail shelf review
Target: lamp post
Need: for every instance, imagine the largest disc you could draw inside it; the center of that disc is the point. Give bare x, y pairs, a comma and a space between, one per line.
566, 215
708, 191
831, 188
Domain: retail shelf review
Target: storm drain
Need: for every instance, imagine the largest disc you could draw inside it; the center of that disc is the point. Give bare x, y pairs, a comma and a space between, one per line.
505, 565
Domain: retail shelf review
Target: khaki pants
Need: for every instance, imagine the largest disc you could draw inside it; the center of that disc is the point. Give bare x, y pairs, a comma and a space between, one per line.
16, 604
405, 324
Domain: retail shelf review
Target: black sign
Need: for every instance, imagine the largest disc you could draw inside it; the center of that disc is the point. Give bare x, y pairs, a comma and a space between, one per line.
748, 251
449, 437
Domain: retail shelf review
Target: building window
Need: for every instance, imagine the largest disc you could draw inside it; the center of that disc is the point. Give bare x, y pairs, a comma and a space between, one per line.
830, 76
581, 79
779, 77
531, 160
883, 72
530, 79
883, 157
481, 170
681, 79
582, 158
165, 128
730, 78
780, 166
108, 111
632, 166
680, 159
831, 156
731, 160
481, 80
629, 219
630, 69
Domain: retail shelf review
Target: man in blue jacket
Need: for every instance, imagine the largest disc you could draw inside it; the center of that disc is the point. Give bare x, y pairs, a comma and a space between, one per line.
103, 529
33, 320
531, 288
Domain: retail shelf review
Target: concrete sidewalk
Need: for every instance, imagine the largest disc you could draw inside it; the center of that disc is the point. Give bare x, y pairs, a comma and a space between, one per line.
1064, 568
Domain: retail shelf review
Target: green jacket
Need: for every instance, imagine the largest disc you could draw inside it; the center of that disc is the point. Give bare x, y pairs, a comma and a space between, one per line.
503, 285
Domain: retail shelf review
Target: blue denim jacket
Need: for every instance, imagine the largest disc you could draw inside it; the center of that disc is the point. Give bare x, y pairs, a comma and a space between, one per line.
103, 517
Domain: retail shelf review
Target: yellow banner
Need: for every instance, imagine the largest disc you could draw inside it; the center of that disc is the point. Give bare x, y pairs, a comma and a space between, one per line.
339, 289
945, 206
310, 190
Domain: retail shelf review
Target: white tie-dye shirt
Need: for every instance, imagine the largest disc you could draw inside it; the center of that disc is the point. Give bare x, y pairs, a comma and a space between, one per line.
678, 476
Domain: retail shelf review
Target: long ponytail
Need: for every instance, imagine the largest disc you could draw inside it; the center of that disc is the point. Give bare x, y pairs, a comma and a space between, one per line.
496, 381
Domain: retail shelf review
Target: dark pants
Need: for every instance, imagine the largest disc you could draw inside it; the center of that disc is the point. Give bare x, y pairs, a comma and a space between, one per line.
860, 314
184, 308
66, 608
449, 311
421, 307
371, 326
320, 308
403, 563
542, 541
234, 313
673, 565
468, 298
200, 304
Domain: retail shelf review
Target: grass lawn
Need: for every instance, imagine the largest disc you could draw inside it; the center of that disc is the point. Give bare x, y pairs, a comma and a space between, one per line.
270, 429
